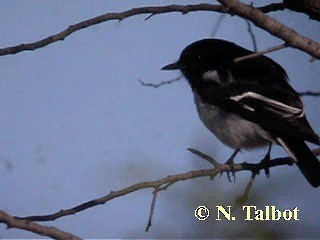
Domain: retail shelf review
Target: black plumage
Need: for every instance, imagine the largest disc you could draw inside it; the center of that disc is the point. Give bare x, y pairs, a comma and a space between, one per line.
250, 103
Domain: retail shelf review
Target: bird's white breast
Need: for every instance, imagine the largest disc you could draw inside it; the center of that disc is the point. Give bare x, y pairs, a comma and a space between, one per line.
230, 129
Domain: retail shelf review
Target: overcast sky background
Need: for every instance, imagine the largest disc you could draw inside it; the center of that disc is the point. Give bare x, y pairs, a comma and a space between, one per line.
75, 123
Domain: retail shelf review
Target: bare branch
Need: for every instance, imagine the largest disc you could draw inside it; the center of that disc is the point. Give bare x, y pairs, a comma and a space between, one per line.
275, 28
242, 199
163, 184
205, 157
257, 54
151, 10
153, 203
107, 17
30, 226
249, 185
309, 93
156, 85
150, 16
253, 37
135, 187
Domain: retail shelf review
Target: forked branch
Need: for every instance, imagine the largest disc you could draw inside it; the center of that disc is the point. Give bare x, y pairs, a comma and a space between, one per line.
233, 7
164, 183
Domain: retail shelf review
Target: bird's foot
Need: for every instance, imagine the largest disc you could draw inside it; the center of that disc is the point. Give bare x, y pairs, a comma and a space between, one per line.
266, 163
230, 162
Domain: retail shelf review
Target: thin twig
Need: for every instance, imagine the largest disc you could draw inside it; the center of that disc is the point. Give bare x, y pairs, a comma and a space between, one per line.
309, 93
257, 54
150, 16
242, 199
164, 187
253, 37
156, 85
249, 185
205, 157
153, 203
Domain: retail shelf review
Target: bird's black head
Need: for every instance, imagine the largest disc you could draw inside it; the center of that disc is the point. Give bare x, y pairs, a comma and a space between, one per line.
205, 55
218, 55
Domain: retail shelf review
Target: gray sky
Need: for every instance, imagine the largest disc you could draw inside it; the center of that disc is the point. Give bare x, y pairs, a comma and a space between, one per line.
75, 123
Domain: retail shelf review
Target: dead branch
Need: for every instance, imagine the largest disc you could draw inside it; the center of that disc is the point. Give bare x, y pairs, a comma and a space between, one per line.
302, 94
257, 54
164, 183
153, 204
294, 37
107, 17
30, 226
309, 93
242, 199
275, 28
253, 37
156, 85
204, 157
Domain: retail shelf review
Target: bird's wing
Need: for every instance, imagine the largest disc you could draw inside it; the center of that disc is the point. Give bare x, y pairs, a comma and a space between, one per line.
282, 104
277, 110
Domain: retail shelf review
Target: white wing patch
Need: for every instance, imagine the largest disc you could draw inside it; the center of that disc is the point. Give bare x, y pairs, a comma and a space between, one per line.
249, 108
211, 75
286, 110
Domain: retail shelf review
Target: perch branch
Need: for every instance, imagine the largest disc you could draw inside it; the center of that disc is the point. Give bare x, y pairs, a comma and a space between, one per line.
164, 183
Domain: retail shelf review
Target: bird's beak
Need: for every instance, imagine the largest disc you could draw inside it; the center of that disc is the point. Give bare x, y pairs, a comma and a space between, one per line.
172, 66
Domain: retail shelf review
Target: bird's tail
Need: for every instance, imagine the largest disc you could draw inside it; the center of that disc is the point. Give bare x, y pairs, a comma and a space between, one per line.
304, 158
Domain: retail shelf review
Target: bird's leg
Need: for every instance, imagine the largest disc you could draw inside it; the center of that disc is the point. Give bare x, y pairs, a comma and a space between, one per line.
230, 162
266, 161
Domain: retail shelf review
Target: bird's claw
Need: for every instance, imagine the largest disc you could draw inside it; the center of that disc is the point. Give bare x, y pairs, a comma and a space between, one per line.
230, 163
266, 163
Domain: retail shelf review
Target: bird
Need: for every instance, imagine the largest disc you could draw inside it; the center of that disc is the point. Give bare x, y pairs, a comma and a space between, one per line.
248, 104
